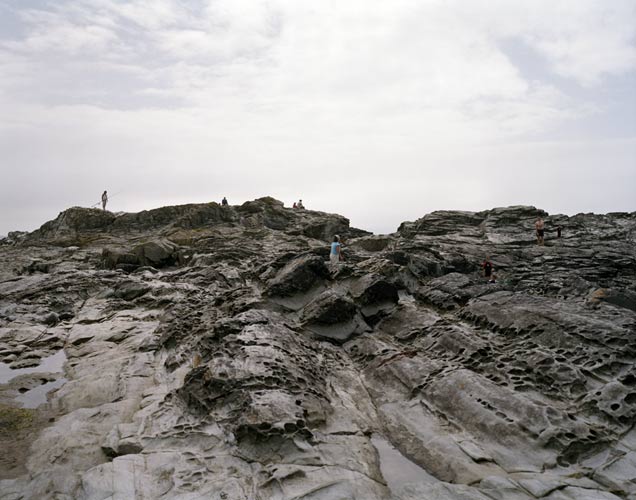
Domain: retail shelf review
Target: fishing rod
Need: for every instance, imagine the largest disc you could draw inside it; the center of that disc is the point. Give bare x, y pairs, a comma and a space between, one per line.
109, 197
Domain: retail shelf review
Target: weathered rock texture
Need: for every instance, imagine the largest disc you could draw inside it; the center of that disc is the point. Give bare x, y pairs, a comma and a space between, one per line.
208, 352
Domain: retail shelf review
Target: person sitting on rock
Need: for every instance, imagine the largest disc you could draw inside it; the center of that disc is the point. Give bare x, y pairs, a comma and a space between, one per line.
104, 200
295, 205
300, 204
334, 255
540, 227
224, 202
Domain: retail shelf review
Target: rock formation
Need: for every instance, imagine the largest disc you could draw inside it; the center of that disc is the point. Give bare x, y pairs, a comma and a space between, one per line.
202, 351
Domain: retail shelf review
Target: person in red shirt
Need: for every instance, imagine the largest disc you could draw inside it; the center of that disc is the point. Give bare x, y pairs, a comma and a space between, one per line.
488, 270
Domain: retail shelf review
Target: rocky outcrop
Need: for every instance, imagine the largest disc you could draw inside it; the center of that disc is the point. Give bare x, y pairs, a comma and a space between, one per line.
298, 276
13, 237
203, 351
74, 226
91, 226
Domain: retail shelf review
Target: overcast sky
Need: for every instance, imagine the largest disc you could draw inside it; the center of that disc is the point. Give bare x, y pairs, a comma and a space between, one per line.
382, 111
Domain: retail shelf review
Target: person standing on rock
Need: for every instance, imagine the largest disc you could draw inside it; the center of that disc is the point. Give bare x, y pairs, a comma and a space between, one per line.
540, 227
559, 229
104, 200
224, 202
488, 269
334, 255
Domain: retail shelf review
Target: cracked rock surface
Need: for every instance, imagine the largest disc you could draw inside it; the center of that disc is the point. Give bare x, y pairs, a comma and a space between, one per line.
201, 351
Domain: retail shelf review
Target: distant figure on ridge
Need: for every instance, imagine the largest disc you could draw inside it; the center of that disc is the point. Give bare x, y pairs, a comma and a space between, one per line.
540, 227
295, 205
104, 200
300, 204
224, 202
488, 269
334, 255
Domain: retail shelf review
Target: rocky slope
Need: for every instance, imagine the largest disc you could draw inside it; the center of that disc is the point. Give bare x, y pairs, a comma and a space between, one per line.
208, 352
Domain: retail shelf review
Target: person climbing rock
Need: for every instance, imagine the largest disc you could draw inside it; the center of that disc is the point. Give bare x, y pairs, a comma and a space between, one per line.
224, 202
559, 228
488, 269
104, 200
334, 255
540, 227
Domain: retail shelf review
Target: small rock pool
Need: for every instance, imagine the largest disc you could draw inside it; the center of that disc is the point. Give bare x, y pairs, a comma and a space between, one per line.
36, 396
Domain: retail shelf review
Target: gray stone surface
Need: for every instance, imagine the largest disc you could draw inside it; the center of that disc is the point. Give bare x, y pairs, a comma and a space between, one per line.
202, 351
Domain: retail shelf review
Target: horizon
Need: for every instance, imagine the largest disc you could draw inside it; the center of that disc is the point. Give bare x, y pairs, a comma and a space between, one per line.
352, 224
382, 112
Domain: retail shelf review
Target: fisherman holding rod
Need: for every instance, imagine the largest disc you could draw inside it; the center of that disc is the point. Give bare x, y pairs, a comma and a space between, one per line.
104, 200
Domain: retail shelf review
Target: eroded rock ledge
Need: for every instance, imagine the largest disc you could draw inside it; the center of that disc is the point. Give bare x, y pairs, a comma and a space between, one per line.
202, 351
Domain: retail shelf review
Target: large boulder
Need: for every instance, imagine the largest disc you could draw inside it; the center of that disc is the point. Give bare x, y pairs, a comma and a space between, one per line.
75, 226
329, 308
298, 276
325, 227
373, 243
13, 237
157, 253
374, 294
334, 316
265, 212
118, 258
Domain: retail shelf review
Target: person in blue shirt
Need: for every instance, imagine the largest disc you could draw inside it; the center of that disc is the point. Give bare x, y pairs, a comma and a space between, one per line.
334, 255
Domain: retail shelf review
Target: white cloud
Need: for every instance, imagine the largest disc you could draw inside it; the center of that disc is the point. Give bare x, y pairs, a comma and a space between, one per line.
55, 32
432, 53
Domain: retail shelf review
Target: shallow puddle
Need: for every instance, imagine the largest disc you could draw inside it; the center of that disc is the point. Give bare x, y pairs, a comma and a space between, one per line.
396, 468
50, 364
37, 396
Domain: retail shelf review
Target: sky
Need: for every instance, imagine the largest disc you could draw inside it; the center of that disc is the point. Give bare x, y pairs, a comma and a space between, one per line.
382, 111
